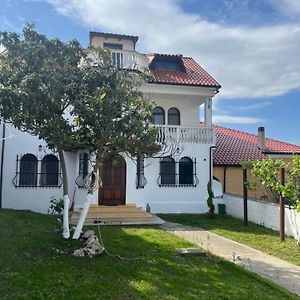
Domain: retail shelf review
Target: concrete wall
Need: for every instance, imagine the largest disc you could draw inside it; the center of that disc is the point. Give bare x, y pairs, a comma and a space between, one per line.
262, 213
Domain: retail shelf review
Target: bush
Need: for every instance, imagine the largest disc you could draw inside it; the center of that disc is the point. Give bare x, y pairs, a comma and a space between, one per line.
56, 206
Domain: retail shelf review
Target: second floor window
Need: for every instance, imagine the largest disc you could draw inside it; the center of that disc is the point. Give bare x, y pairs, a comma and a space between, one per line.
173, 116
158, 115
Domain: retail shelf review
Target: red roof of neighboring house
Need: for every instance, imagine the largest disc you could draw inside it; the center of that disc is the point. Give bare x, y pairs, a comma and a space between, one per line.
234, 146
191, 73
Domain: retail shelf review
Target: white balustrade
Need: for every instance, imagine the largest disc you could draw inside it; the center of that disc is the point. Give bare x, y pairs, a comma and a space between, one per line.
129, 60
183, 134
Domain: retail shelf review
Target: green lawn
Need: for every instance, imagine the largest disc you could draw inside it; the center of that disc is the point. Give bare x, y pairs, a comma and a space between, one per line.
31, 268
252, 235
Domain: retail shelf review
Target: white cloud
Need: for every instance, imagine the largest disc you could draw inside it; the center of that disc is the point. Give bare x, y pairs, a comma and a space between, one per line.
227, 119
248, 62
290, 8
254, 106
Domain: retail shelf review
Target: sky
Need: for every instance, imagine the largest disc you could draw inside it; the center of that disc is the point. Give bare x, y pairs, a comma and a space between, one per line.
252, 47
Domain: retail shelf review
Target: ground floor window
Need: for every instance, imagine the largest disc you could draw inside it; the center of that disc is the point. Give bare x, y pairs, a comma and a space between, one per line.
177, 173
32, 172
141, 181
84, 159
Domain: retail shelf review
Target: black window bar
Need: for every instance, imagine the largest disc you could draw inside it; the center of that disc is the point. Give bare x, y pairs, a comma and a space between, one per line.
83, 169
27, 174
141, 181
180, 173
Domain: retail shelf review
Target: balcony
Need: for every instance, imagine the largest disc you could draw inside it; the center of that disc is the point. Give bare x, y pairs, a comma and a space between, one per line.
129, 60
168, 134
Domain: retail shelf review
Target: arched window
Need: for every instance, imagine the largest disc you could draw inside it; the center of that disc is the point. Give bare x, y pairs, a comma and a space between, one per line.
50, 170
167, 171
186, 175
173, 116
158, 115
28, 170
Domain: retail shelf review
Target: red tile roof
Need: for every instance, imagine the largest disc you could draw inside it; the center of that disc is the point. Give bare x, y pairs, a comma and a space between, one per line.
234, 146
192, 74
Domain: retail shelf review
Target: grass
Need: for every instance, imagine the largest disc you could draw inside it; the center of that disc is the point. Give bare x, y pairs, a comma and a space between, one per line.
256, 236
32, 268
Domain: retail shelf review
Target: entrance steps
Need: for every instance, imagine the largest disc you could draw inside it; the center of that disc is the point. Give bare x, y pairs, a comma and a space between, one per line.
128, 214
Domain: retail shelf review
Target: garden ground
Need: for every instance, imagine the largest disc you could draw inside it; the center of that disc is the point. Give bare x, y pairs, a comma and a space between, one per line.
35, 263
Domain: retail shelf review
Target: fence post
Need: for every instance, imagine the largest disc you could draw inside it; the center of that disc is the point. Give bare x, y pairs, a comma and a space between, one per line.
282, 204
245, 197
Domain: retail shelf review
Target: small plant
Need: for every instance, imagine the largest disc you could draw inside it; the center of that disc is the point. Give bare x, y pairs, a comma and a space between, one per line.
56, 206
210, 203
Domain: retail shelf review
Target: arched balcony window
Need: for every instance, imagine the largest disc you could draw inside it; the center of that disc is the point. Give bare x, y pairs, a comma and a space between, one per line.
159, 116
173, 116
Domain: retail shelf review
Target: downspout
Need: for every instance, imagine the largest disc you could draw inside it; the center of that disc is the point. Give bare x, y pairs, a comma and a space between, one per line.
2, 160
224, 178
211, 148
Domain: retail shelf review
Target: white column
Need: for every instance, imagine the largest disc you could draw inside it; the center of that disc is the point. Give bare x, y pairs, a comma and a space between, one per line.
208, 112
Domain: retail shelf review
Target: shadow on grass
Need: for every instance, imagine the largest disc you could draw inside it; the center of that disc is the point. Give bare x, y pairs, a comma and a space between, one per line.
35, 263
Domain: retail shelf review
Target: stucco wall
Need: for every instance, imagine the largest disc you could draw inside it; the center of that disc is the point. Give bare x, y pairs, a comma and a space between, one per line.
34, 198
262, 213
98, 41
171, 199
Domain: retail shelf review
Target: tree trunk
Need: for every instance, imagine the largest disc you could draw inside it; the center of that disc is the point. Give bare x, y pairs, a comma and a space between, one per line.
66, 230
86, 206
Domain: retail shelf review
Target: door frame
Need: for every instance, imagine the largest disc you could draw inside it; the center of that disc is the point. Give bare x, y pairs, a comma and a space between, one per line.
122, 186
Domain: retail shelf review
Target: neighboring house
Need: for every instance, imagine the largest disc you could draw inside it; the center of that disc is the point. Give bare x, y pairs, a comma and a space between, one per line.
174, 181
234, 147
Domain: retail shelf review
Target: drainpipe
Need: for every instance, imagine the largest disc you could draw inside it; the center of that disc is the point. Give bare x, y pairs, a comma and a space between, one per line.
2, 160
224, 179
211, 148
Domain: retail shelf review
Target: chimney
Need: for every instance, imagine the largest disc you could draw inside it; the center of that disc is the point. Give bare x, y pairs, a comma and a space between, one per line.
261, 138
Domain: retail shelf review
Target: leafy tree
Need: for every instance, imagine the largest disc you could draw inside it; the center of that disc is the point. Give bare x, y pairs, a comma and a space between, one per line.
111, 116
268, 171
73, 98
38, 79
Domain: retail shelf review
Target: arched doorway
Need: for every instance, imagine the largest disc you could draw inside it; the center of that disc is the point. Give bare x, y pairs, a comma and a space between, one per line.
113, 174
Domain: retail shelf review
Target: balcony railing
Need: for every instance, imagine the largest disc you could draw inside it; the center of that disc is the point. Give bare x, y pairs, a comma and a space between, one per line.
183, 134
129, 60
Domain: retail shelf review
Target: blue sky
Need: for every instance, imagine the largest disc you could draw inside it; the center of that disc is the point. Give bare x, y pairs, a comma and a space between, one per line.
250, 46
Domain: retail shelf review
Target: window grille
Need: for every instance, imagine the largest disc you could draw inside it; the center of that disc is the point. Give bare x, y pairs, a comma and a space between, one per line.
28, 170
180, 173
141, 181
49, 171
28, 174
83, 169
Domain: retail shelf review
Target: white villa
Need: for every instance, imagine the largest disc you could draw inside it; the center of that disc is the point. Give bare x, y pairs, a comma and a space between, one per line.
175, 180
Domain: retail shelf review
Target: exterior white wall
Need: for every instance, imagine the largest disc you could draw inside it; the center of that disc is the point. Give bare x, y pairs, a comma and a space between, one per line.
188, 108
98, 41
33, 198
171, 199
262, 213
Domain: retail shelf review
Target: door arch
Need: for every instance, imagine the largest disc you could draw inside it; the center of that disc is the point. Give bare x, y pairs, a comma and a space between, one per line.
113, 175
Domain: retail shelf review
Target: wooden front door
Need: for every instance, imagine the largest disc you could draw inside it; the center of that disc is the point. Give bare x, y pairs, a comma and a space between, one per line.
113, 174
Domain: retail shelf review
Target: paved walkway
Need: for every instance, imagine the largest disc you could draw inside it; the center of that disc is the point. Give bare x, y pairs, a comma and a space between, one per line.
279, 271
